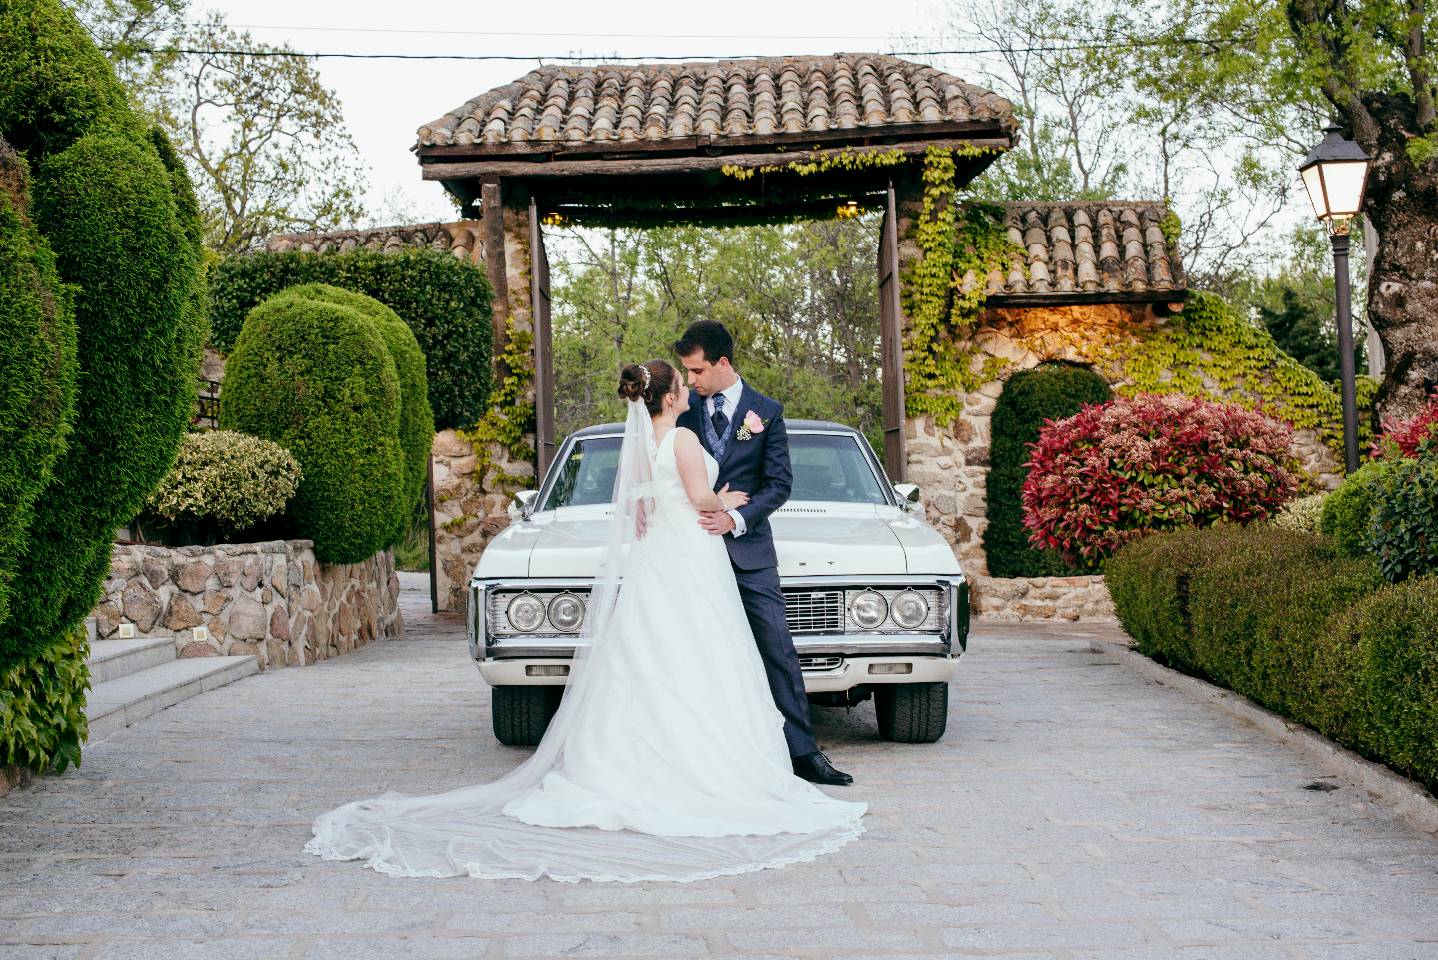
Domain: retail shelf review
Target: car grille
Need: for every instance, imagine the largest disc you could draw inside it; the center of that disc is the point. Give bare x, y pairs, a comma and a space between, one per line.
819, 663
814, 611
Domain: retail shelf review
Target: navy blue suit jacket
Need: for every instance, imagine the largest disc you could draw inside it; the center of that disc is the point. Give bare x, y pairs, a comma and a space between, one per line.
758, 466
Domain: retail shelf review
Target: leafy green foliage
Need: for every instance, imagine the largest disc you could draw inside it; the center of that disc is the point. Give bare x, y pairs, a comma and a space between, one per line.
416, 419
445, 302
223, 482
37, 366
1403, 529
1030, 397
942, 291
42, 705
1348, 511
316, 376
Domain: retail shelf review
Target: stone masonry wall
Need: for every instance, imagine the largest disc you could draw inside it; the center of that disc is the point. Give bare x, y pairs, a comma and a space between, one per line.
271, 599
1040, 598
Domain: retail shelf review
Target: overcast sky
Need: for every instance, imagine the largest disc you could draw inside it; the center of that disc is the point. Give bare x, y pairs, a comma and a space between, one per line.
385, 101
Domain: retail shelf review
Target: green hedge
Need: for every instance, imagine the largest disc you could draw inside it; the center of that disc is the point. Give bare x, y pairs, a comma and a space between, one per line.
112, 201
1289, 621
1403, 525
1050, 391
37, 366
316, 376
1348, 511
416, 419
445, 301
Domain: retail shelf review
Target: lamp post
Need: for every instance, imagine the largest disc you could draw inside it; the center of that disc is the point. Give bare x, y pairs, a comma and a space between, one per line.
1334, 173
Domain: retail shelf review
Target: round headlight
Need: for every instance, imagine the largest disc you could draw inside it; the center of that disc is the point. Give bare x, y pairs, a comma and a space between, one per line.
526, 613
868, 609
566, 612
910, 609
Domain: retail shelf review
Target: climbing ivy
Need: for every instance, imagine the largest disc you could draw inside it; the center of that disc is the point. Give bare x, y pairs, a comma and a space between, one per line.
42, 706
817, 162
510, 418
942, 292
1210, 350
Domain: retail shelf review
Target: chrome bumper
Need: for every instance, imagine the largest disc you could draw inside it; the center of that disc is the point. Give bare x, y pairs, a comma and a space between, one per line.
949, 643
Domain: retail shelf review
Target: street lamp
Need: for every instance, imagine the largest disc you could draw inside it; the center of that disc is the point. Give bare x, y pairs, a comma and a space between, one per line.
1334, 173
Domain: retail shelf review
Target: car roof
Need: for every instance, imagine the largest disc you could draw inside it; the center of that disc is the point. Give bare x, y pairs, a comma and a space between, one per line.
792, 426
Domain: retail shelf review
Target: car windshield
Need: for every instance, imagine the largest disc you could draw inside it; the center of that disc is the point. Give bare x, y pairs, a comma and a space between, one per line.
826, 467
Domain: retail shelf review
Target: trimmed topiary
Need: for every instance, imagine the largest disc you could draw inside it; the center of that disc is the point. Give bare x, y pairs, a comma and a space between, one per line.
1348, 510
416, 419
37, 366
224, 482
316, 376
1030, 399
446, 302
1114, 473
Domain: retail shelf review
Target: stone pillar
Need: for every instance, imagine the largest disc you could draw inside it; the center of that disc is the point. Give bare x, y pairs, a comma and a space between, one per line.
471, 493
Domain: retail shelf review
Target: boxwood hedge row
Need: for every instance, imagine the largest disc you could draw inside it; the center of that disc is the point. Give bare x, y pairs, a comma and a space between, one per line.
445, 301
1288, 620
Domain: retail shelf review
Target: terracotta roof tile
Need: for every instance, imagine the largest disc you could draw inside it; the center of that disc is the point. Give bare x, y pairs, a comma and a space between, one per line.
461, 239
720, 99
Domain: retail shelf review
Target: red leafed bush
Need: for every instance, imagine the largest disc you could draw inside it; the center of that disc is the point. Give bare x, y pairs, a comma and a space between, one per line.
1117, 471
1401, 437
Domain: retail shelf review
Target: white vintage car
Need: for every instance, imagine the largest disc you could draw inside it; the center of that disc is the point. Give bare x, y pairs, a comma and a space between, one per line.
876, 601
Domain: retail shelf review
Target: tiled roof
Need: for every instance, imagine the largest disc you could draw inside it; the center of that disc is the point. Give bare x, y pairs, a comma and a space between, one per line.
1085, 250
718, 100
1080, 251
460, 239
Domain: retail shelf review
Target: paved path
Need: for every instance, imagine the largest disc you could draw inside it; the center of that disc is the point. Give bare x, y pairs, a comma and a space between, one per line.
1074, 812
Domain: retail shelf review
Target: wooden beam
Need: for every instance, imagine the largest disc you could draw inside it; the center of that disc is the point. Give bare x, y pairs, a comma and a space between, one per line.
491, 218
719, 215
1073, 298
657, 165
854, 136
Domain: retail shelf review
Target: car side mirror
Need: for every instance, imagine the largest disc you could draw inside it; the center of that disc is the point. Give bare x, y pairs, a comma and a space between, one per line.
522, 506
908, 494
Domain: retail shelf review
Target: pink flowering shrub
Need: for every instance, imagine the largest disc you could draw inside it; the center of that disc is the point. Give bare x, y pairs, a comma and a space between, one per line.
1401, 437
1117, 471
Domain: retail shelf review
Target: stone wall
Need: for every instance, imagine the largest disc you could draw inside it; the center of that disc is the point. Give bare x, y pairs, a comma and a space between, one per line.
467, 515
1040, 598
271, 599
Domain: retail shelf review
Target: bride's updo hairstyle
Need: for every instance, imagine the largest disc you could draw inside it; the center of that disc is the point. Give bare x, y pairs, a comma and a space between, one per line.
651, 382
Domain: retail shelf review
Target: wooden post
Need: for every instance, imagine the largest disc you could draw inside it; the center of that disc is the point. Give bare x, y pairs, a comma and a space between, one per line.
433, 566
891, 341
539, 297
491, 218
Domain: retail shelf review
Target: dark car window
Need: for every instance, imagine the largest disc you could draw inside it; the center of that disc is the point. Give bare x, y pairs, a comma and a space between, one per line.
587, 475
826, 467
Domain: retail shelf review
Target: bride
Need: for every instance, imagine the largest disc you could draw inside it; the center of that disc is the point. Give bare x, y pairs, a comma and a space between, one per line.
666, 759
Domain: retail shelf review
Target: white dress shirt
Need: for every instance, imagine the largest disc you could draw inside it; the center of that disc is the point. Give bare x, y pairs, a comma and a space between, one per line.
731, 394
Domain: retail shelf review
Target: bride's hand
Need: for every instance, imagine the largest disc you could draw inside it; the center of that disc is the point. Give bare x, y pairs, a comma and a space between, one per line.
732, 498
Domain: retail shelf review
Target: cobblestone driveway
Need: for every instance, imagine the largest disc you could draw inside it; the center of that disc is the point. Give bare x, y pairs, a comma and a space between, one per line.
1074, 811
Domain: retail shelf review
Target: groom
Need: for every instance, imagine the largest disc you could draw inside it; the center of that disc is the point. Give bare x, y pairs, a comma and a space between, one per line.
744, 431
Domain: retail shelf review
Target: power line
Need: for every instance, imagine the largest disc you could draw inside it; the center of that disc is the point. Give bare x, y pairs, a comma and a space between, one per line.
1095, 44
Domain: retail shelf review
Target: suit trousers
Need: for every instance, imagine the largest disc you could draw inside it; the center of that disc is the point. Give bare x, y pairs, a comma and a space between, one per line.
764, 605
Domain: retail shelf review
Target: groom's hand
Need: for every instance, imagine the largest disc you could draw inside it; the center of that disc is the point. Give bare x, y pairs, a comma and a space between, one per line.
716, 522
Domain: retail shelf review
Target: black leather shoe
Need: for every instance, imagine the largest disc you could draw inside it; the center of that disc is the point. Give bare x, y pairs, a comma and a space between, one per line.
816, 768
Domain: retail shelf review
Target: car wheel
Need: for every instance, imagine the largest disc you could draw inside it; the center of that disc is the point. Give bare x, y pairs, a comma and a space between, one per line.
521, 714
912, 712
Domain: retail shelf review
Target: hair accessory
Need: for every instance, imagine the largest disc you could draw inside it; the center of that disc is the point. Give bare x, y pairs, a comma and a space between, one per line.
645, 370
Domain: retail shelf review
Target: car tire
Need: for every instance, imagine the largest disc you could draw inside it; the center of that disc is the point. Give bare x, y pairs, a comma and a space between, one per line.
522, 714
912, 712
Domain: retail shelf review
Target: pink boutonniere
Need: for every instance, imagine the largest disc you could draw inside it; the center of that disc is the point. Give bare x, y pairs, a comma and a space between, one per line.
752, 424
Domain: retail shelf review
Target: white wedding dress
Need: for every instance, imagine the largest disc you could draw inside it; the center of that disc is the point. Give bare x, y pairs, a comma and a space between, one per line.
666, 760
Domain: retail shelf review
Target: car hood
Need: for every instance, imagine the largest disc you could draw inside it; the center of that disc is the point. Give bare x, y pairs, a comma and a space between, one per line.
811, 539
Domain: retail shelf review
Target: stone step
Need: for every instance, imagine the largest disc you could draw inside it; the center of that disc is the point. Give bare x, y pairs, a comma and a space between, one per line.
113, 659
115, 704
